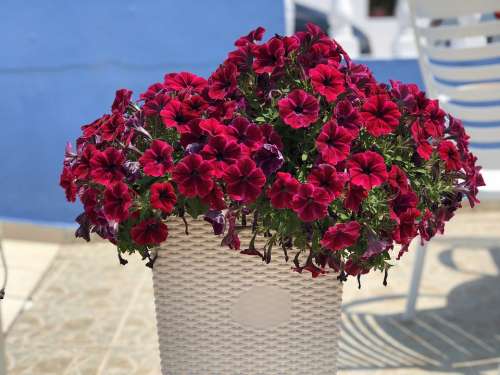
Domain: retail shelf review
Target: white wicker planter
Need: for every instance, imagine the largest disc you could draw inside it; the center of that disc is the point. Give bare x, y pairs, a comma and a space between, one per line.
222, 313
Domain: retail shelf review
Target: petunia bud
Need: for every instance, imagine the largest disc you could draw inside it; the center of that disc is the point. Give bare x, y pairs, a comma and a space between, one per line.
269, 158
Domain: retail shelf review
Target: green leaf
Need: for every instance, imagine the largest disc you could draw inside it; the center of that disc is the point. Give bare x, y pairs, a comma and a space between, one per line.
195, 207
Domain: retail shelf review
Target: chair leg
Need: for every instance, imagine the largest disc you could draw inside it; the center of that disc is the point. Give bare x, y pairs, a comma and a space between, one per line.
416, 277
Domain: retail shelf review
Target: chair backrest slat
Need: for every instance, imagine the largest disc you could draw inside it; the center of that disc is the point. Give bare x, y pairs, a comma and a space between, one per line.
453, 8
465, 73
489, 51
468, 93
446, 32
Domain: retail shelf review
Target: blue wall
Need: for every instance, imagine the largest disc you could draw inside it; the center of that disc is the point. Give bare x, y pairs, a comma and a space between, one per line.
61, 62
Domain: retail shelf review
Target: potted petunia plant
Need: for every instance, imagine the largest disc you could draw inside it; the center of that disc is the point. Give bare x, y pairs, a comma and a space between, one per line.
295, 159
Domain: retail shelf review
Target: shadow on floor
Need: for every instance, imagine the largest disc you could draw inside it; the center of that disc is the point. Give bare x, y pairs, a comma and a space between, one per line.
463, 337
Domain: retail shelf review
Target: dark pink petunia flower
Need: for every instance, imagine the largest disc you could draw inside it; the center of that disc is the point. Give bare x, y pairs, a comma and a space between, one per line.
268, 158
398, 180
107, 166
193, 176
157, 159
215, 198
221, 152
328, 81
81, 168
163, 197
420, 136
347, 116
67, 182
174, 115
113, 128
380, 115
326, 177
195, 105
269, 56
152, 91
212, 128
251, 37
310, 203
334, 142
298, 109
122, 101
223, 82
367, 169
283, 189
244, 181
355, 196
271, 136
433, 118
341, 236
117, 202
149, 232
450, 155
242, 57
153, 107
407, 227
403, 201
248, 135
185, 81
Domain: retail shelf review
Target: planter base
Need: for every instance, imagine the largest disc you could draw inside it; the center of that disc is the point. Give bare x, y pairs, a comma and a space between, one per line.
222, 313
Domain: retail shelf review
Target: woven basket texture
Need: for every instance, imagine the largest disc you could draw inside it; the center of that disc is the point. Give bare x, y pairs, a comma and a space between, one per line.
223, 313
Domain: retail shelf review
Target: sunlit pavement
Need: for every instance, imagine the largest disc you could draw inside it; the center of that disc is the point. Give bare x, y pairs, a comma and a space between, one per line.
88, 315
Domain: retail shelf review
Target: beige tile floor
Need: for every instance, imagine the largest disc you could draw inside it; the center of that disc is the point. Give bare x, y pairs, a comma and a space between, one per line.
91, 316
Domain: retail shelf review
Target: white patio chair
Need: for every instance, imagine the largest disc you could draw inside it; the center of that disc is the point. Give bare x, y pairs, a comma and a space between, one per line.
459, 56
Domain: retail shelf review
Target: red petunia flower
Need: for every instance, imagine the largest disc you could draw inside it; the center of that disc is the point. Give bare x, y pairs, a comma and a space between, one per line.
347, 116
152, 91
450, 155
195, 105
244, 181
212, 128
193, 176
433, 117
185, 81
334, 142
174, 115
269, 56
248, 135
367, 169
221, 152
107, 166
271, 136
398, 180
163, 197
122, 101
81, 168
299, 109
282, 190
341, 236
215, 199
223, 82
355, 196
380, 115
407, 228
420, 136
153, 107
251, 37
113, 127
117, 202
326, 177
67, 182
328, 81
310, 203
149, 232
157, 159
